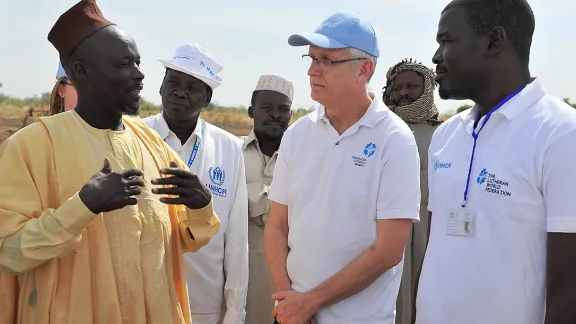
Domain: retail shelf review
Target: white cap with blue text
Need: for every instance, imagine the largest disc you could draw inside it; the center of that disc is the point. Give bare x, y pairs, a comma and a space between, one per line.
60, 73
341, 30
191, 59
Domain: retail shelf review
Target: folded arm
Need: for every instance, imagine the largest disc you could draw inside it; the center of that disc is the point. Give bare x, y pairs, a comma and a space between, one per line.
46, 237
385, 253
31, 234
396, 210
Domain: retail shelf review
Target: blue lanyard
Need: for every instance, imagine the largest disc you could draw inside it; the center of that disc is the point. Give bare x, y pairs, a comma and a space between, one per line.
476, 134
193, 154
196, 146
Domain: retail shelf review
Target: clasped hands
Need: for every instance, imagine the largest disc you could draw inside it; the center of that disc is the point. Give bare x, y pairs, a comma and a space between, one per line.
294, 308
109, 190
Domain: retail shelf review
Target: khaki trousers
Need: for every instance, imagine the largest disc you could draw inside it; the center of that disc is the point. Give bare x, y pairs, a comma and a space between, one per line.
413, 258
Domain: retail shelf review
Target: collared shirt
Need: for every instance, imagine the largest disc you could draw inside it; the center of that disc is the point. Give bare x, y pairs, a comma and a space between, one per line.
259, 172
336, 187
220, 269
522, 186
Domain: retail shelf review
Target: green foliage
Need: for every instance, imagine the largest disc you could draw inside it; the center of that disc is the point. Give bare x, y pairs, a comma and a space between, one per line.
567, 100
462, 108
35, 101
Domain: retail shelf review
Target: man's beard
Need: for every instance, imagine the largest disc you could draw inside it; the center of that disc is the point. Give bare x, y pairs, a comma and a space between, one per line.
131, 111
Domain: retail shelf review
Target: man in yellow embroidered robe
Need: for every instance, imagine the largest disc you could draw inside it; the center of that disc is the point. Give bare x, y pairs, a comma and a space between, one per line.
59, 261
74, 266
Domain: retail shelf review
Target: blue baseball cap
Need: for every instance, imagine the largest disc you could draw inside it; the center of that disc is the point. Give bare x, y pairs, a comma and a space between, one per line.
60, 73
341, 30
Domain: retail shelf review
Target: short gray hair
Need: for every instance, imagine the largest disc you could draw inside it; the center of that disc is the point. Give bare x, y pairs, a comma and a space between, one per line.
356, 53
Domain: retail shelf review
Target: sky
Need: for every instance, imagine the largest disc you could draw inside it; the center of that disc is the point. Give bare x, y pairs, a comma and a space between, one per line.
250, 38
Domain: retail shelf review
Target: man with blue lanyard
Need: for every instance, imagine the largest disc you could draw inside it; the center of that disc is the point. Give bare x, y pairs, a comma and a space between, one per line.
502, 184
217, 274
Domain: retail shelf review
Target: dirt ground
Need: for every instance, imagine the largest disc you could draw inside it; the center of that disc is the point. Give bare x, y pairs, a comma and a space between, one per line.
9, 126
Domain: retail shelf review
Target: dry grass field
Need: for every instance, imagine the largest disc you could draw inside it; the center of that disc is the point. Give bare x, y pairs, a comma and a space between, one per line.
234, 120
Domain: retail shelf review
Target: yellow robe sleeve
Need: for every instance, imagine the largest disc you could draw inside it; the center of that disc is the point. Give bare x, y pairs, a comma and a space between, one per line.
197, 226
34, 227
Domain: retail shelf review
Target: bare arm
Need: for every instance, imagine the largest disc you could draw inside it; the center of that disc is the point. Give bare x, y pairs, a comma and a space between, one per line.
561, 278
385, 253
559, 187
276, 245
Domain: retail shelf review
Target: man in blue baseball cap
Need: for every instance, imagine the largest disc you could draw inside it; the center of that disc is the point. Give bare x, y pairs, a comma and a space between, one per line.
346, 189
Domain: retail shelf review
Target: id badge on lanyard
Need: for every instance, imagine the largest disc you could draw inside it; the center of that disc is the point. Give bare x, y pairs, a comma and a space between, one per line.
461, 221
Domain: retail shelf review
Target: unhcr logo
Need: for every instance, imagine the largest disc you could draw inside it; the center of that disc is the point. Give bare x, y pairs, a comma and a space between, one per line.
440, 165
217, 176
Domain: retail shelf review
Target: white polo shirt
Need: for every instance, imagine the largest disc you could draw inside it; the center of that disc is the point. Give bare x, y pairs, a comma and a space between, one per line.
336, 188
522, 185
218, 270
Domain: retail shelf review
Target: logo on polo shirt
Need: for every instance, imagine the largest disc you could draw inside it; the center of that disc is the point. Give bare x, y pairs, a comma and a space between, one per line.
493, 184
369, 149
441, 165
217, 176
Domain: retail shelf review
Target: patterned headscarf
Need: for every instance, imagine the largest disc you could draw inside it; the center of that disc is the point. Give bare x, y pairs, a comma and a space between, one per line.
421, 111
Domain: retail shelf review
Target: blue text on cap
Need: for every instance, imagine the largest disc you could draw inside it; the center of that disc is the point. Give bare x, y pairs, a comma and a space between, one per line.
341, 30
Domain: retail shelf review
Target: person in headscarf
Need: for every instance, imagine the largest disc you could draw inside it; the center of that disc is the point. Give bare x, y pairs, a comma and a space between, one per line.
63, 96
409, 92
90, 232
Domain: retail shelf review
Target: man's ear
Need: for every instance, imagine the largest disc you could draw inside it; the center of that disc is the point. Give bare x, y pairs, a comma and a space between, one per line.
251, 112
208, 96
79, 71
496, 41
366, 71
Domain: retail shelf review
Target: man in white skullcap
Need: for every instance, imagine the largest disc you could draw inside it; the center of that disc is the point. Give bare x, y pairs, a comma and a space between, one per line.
270, 109
217, 274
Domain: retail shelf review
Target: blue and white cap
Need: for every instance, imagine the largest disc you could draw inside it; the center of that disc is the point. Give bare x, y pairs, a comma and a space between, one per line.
341, 30
60, 73
193, 60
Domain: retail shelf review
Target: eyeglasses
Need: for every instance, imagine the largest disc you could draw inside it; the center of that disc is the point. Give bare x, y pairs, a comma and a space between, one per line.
66, 83
326, 61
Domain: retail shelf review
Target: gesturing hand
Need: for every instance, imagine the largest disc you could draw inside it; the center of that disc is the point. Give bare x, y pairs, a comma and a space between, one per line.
185, 184
108, 190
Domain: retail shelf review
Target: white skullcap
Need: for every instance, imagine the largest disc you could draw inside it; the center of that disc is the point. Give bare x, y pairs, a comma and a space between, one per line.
275, 82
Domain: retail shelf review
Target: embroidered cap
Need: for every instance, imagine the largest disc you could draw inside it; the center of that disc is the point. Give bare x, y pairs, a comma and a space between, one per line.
275, 82
75, 25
